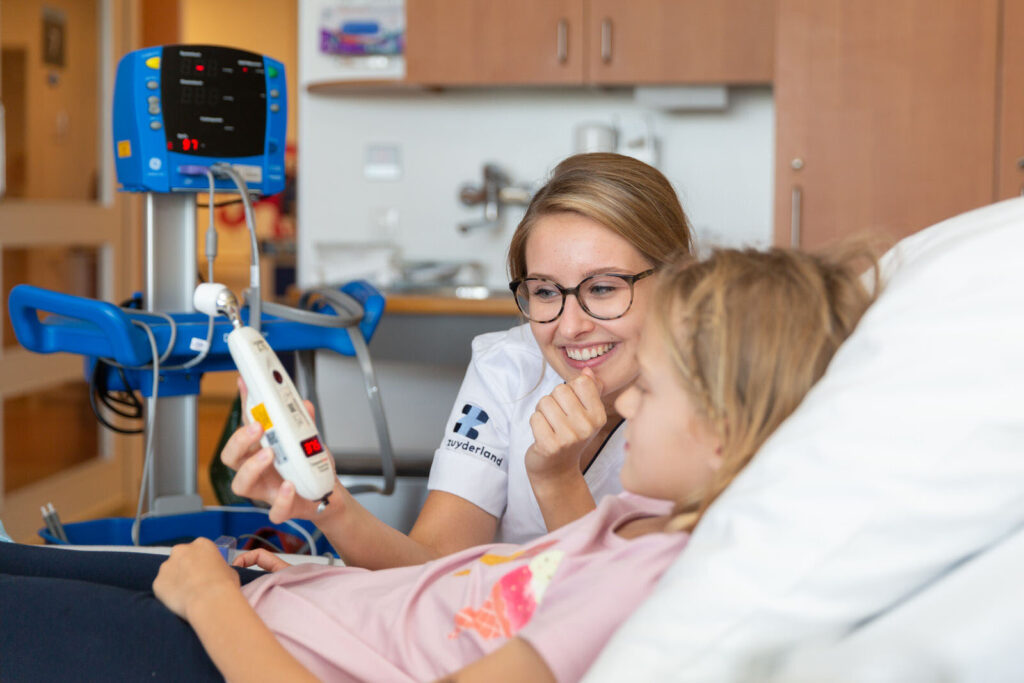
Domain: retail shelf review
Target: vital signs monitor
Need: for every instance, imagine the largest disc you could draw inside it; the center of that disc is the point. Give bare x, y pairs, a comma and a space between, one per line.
182, 108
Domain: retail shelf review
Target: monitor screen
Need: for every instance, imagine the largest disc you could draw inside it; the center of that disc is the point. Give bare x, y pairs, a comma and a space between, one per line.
214, 101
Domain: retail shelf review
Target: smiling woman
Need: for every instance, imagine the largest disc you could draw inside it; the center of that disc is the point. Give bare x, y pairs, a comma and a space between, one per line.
579, 261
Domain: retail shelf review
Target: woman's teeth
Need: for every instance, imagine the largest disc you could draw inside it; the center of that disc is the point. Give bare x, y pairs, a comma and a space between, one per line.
588, 352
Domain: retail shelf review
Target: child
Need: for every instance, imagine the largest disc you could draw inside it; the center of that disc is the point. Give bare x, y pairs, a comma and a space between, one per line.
728, 351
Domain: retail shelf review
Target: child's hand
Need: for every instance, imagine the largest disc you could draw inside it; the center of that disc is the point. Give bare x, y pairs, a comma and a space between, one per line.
563, 424
255, 474
262, 558
194, 572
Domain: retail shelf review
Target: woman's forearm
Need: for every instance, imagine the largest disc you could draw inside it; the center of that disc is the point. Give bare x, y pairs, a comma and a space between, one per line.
362, 540
562, 499
446, 524
238, 642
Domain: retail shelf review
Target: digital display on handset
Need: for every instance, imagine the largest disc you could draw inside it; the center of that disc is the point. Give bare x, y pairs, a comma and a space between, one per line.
214, 101
311, 446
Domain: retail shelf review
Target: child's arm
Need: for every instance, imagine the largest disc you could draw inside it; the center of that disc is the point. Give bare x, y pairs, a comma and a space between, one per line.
196, 584
515, 661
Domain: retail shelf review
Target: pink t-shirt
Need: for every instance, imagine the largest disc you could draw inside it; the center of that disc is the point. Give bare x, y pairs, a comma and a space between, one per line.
565, 593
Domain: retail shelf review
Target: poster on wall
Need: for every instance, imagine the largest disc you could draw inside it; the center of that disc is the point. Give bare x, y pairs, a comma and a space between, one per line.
349, 40
363, 28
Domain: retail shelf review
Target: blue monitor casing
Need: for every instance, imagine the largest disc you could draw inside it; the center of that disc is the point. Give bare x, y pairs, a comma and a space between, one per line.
179, 107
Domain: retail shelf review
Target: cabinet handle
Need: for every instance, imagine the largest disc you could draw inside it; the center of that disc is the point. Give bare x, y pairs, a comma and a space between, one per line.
563, 41
794, 217
606, 40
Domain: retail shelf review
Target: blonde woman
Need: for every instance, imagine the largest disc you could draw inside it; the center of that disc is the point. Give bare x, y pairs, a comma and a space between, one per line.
729, 350
533, 438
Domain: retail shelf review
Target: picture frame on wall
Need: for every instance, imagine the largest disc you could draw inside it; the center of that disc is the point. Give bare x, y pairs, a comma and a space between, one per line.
54, 35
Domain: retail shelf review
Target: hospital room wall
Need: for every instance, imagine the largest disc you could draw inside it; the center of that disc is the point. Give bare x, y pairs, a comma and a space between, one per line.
720, 162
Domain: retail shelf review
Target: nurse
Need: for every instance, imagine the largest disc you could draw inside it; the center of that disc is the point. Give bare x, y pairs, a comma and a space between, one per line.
534, 438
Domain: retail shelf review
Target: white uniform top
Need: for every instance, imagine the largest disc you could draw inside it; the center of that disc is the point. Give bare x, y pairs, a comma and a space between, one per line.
482, 454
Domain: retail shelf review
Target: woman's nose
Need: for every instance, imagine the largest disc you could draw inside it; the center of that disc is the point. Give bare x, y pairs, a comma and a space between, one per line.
574, 320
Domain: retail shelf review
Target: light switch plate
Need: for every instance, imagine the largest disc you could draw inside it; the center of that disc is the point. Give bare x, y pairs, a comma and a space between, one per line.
383, 162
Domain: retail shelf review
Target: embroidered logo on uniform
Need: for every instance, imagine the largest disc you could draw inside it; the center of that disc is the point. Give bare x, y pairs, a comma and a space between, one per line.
474, 417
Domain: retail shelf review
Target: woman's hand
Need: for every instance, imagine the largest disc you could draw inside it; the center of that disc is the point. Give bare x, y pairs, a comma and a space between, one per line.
255, 474
195, 572
564, 422
262, 558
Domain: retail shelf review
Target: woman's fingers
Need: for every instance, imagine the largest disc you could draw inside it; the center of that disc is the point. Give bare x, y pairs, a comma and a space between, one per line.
257, 478
589, 388
580, 402
281, 509
542, 431
551, 408
241, 446
581, 396
243, 393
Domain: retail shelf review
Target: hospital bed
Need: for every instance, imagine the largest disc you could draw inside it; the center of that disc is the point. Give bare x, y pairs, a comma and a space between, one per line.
879, 534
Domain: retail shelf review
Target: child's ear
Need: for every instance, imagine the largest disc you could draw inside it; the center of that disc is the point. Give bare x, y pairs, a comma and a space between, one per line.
716, 458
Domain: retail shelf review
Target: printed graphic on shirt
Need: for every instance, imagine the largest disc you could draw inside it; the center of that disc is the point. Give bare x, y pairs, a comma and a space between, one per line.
512, 601
474, 417
492, 559
476, 449
465, 433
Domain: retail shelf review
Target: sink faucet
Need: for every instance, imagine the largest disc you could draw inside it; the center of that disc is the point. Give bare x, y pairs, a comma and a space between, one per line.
496, 192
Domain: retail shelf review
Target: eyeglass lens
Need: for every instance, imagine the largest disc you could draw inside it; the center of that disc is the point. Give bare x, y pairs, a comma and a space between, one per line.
602, 296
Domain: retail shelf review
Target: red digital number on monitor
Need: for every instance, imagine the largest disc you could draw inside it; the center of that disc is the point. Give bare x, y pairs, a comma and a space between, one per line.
312, 446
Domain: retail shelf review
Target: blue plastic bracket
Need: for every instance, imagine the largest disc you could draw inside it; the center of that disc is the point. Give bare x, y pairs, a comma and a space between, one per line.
98, 329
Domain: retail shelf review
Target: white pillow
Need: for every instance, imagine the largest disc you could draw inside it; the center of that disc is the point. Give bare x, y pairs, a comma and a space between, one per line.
906, 457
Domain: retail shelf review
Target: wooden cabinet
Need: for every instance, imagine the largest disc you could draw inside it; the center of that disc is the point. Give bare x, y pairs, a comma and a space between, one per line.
485, 42
607, 42
1010, 159
885, 115
680, 41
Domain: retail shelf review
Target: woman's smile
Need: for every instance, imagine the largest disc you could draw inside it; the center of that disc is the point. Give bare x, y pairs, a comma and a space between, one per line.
582, 356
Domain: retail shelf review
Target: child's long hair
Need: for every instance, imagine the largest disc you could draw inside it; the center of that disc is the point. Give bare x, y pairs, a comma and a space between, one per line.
750, 332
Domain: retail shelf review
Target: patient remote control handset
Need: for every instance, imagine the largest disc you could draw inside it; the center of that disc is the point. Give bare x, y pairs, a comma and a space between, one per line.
299, 453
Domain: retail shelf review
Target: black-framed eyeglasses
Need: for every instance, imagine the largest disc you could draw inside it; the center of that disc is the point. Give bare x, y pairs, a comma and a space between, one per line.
605, 296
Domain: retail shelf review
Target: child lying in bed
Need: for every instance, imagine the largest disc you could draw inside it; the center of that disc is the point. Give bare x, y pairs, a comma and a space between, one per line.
729, 349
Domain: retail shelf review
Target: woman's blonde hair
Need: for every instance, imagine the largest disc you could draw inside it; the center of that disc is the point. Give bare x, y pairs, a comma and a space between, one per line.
750, 332
627, 196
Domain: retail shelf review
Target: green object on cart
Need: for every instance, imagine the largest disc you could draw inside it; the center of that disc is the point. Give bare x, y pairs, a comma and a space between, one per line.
220, 474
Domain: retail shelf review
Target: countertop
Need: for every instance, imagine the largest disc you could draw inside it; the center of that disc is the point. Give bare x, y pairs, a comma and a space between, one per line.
439, 301
445, 302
